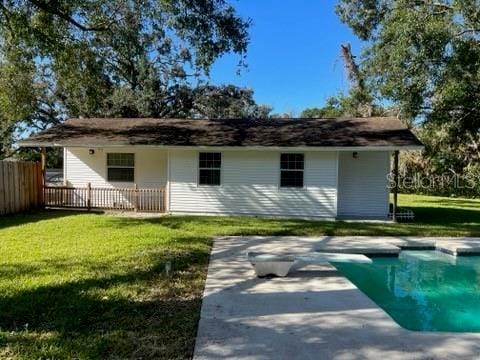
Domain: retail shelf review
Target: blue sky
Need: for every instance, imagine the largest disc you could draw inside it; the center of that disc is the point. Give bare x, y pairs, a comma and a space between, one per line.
294, 55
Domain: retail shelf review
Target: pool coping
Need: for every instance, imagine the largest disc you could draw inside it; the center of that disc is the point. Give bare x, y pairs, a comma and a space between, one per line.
461, 246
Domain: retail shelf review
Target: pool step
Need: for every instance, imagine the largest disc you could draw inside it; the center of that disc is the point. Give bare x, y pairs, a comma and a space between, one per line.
417, 245
452, 247
463, 249
372, 250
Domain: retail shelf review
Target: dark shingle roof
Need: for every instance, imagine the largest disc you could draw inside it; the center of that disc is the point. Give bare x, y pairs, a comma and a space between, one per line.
328, 132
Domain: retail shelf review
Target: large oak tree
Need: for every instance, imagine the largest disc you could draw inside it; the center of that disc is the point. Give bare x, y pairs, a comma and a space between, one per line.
63, 58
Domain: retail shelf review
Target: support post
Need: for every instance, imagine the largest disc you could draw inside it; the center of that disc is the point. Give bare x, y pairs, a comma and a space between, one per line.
136, 198
395, 186
43, 169
43, 157
89, 196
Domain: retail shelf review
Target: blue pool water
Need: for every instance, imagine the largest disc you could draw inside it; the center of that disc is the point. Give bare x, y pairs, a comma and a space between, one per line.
423, 290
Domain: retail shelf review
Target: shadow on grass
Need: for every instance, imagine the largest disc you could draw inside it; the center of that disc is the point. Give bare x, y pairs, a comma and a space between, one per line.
428, 222
38, 216
447, 216
84, 319
452, 202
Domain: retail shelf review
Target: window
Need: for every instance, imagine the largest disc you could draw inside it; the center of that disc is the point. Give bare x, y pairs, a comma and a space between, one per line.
120, 167
209, 166
291, 170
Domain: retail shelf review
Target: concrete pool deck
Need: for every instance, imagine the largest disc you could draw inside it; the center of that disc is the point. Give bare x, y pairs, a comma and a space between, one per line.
314, 313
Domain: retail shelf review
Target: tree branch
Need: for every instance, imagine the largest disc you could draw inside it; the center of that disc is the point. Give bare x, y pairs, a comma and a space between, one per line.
466, 31
54, 11
5, 13
440, 5
12, 152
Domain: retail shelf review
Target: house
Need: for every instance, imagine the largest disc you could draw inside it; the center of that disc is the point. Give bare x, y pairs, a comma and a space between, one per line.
325, 168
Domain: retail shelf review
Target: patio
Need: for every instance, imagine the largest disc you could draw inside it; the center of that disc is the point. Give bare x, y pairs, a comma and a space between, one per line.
310, 314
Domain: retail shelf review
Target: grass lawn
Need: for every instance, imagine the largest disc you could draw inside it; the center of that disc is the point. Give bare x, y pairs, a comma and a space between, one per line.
84, 285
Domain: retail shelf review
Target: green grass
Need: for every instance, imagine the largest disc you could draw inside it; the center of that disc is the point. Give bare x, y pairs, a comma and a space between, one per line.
84, 285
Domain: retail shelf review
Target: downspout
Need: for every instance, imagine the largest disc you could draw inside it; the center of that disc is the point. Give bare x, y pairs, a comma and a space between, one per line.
336, 184
168, 182
64, 166
395, 185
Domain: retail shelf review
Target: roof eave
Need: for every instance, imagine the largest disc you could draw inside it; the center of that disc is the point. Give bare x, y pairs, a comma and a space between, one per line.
305, 148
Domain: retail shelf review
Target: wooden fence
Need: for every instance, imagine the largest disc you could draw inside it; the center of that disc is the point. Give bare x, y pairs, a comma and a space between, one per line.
105, 198
21, 189
20, 186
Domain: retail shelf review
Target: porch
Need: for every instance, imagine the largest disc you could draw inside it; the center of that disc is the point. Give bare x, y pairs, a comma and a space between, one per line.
126, 199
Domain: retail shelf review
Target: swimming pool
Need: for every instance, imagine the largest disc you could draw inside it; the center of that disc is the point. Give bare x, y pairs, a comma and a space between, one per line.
423, 290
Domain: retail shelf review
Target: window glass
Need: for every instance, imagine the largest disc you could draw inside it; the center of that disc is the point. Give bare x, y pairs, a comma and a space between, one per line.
291, 170
120, 167
120, 159
209, 165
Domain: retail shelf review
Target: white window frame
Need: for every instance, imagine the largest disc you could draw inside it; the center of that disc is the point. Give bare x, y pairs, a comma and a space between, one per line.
281, 170
121, 167
209, 168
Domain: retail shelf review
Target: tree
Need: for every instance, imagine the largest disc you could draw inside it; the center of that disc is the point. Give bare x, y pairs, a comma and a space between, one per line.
116, 58
344, 106
284, 115
359, 100
227, 101
424, 56
334, 107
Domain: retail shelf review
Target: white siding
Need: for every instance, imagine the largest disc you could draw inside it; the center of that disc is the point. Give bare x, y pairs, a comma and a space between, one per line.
250, 181
250, 185
363, 185
81, 168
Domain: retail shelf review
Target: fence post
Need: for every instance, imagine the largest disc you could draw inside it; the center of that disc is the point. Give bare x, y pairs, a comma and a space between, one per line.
89, 196
163, 200
135, 199
3, 190
41, 185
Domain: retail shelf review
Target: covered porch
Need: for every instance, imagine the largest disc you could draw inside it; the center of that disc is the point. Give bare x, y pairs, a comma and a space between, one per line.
136, 199
116, 178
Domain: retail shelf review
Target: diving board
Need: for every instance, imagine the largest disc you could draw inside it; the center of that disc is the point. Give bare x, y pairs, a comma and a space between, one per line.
280, 265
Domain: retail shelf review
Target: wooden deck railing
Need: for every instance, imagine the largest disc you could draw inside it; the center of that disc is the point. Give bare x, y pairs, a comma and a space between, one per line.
105, 198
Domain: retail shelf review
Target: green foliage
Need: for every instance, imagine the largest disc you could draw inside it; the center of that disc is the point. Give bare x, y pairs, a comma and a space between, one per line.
424, 56
344, 106
17, 97
226, 101
334, 107
362, 16
284, 115
443, 158
108, 58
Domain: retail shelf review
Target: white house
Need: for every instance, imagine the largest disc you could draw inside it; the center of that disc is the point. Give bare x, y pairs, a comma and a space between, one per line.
325, 168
